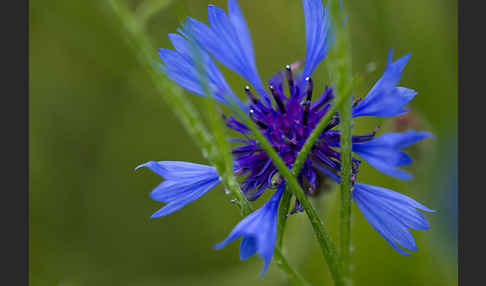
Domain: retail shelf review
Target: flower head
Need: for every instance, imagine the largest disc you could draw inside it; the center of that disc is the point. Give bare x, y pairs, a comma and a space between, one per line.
286, 110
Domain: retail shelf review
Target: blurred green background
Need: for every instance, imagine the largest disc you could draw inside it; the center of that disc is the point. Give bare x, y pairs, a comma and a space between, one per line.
94, 116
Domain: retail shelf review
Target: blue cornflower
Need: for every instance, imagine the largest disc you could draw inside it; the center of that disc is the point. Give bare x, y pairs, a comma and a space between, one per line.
287, 119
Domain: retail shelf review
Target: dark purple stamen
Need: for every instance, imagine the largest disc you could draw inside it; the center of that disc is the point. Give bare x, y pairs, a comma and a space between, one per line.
355, 165
277, 98
307, 103
251, 95
333, 123
365, 137
354, 169
297, 208
258, 122
309, 88
306, 112
290, 78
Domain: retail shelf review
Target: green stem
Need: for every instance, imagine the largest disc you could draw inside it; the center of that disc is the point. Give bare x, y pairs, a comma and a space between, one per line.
221, 151
171, 93
293, 276
189, 117
309, 143
340, 68
328, 250
283, 211
147, 9
299, 163
346, 186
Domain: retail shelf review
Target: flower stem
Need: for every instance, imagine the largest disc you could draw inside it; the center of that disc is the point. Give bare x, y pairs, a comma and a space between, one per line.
309, 143
340, 68
221, 151
171, 93
149, 8
299, 163
293, 276
283, 211
328, 250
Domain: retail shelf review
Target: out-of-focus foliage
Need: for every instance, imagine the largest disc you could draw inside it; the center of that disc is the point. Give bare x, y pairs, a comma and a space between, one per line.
94, 116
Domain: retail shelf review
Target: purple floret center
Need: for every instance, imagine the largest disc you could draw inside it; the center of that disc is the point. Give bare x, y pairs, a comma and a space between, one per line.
287, 125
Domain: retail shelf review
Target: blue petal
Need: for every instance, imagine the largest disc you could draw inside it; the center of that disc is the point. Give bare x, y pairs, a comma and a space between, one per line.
316, 164
180, 202
384, 154
385, 99
248, 247
180, 66
317, 32
185, 182
391, 214
236, 18
392, 196
173, 189
177, 169
228, 40
385, 161
180, 70
381, 218
378, 226
409, 215
405, 139
259, 231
